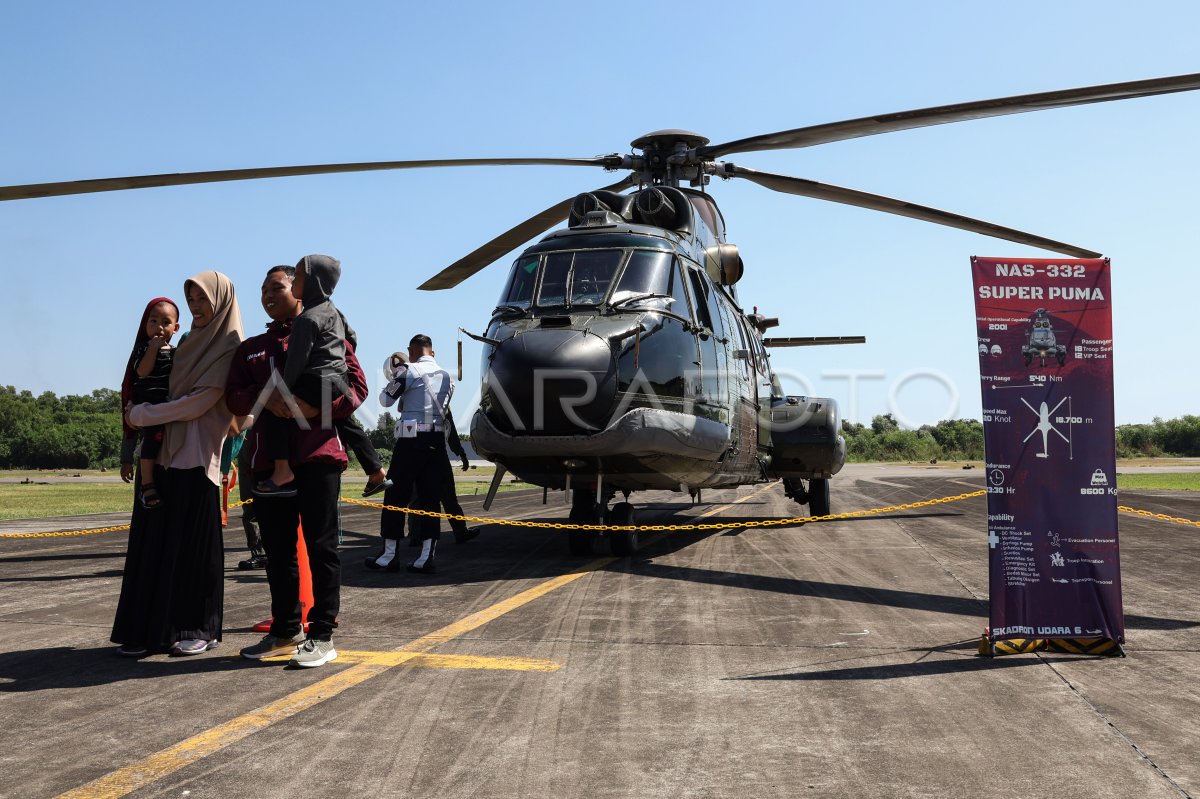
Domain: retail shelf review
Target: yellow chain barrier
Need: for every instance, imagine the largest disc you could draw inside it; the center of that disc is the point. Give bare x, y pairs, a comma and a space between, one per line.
660, 527
94, 530
1162, 517
639, 527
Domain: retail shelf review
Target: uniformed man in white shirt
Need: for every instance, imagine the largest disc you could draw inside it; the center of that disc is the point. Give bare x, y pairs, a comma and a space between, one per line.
419, 459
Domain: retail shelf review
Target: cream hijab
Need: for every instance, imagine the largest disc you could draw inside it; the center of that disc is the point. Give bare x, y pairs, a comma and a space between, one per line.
202, 360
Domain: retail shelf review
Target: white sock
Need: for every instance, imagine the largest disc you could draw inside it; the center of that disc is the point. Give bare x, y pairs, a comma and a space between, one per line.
426, 553
389, 552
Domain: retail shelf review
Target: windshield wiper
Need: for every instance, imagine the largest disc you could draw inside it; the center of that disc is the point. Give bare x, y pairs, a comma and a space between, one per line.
639, 297
508, 309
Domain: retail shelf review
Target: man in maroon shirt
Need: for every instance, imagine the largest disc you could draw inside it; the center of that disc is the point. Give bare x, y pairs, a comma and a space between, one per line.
318, 460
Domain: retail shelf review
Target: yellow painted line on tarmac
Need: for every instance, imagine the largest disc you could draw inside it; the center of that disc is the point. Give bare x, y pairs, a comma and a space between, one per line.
150, 769
498, 663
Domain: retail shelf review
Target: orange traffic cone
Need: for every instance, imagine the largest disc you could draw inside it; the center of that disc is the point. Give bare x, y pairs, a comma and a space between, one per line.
306, 589
228, 481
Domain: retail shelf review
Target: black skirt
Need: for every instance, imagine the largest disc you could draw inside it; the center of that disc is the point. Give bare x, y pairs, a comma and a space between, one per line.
172, 588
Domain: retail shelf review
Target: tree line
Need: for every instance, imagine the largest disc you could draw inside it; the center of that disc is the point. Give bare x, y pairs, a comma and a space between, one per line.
84, 432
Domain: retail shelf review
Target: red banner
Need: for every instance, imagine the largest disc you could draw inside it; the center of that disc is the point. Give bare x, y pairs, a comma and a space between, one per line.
1045, 361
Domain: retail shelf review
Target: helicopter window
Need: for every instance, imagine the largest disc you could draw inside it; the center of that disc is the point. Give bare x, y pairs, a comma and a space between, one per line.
583, 277
678, 292
700, 291
519, 291
592, 274
554, 279
646, 273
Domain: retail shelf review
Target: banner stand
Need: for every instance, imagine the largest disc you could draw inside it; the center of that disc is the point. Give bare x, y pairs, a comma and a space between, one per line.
1045, 343
1105, 647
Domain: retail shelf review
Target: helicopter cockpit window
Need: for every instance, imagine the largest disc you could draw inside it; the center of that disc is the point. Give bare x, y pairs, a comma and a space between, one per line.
578, 278
519, 291
647, 276
701, 291
592, 274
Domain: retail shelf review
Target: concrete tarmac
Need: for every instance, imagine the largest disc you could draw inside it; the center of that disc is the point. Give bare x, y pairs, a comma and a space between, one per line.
828, 659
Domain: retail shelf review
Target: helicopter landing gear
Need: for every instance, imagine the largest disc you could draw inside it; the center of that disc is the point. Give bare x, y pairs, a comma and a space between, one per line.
1028, 359
584, 510
1062, 359
818, 497
624, 542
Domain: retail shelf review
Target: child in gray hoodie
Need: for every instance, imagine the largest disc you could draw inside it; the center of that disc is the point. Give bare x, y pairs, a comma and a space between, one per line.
316, 358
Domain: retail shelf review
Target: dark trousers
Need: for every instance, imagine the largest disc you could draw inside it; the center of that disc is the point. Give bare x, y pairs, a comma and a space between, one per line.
245, 492
315, 509
449, 503
417, 472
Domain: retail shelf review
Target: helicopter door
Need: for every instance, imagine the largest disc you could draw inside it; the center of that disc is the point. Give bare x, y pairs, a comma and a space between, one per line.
712, 401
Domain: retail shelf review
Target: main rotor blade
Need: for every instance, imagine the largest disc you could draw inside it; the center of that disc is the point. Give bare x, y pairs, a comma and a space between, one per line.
939, 115
812, 341
33, 190
507, 241
838, 194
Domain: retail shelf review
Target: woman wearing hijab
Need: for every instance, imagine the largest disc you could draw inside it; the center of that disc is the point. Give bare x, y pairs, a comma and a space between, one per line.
171, 592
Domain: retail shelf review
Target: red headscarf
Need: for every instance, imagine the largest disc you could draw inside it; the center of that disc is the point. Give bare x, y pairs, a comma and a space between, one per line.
142, 338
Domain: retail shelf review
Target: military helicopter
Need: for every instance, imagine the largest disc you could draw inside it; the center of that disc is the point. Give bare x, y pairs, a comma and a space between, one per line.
619, 357
1041, 342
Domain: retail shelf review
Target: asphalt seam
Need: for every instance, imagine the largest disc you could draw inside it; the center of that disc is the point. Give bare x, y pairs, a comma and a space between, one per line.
1075, 691
1115, 729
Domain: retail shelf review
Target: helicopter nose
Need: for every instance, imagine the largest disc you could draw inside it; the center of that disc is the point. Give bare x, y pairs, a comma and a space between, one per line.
551, 382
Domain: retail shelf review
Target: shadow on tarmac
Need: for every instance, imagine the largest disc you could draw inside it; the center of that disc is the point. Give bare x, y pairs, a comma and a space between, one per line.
920, 668
74, 557
59, 667
936, 603
51, 578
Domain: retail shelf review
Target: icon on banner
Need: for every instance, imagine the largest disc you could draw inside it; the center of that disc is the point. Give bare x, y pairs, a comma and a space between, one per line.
1054, 540
1041, 342
996, 349
1056, 559
1044, 426
1099, 478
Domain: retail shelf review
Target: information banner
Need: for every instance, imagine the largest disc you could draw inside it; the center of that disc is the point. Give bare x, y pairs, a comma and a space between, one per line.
1046, 367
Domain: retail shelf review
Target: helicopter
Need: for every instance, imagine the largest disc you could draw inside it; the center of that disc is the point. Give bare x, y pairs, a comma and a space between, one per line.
619, 357
1041, 342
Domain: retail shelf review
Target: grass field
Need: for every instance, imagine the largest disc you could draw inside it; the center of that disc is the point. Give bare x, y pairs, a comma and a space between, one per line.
1182, 481
37, 501
63, 499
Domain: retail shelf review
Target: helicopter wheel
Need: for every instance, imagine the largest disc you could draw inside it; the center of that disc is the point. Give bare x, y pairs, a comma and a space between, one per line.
1028, 359
583, 511
818, 497
624, 542
1062, 359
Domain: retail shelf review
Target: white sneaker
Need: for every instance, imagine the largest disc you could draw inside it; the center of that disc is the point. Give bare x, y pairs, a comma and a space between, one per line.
313, 653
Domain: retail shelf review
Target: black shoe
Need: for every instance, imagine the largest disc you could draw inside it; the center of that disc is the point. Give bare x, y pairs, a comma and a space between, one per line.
253, 562
392, 566
374, 488
428, 568
465, 535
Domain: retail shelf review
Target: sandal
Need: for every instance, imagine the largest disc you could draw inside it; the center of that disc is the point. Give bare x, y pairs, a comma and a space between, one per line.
374, 488
269, 488
149, 497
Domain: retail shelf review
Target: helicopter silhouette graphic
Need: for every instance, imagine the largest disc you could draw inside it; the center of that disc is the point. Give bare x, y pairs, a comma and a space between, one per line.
1044, 426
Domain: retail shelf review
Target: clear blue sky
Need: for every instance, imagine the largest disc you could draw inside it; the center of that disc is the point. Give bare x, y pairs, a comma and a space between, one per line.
95, 90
